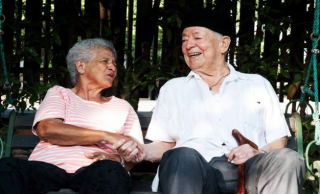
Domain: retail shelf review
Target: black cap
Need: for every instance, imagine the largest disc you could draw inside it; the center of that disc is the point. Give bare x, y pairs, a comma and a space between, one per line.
212, 19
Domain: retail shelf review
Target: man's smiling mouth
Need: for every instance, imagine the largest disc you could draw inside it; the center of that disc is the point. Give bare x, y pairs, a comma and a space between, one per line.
194, 54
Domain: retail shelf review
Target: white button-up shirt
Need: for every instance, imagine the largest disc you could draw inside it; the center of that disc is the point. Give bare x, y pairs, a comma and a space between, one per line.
187, 113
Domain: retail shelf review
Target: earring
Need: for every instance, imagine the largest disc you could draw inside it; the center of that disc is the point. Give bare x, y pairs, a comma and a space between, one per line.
81, 72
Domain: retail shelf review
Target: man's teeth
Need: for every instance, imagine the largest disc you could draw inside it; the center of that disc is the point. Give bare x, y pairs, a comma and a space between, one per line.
194, 54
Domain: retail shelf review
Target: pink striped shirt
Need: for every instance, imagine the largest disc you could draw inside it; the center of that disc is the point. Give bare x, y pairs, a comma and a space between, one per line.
115, 116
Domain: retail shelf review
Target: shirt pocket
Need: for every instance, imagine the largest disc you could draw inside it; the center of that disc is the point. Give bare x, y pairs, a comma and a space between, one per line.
253, 118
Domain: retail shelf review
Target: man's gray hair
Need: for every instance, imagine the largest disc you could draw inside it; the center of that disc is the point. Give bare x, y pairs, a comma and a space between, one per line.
85, 50
217, 35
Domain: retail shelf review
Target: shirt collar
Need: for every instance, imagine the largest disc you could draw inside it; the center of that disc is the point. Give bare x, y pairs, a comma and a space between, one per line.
234, 75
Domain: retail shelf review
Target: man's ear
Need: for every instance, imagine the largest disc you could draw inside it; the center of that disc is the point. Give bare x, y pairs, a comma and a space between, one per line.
224, 44
80, 65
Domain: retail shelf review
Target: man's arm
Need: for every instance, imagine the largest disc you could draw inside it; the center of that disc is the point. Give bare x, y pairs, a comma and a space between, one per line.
155, 150
278, 143
241, 154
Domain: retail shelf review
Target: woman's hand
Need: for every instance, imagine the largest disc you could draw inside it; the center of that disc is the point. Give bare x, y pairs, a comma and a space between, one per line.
241, 154
96, 156
130, 151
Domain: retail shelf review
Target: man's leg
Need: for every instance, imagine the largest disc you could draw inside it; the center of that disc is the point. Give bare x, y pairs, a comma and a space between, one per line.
280, 171
30, 177
104, 176
226, 175
184, 170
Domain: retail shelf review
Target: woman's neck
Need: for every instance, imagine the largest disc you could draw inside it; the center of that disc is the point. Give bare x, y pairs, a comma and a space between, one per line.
86, 92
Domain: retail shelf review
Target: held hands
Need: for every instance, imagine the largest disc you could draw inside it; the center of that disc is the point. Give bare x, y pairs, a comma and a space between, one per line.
241, 154
130, 150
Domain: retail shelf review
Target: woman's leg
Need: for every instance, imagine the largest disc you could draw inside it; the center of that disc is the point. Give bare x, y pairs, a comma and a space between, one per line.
104, 176
20, 176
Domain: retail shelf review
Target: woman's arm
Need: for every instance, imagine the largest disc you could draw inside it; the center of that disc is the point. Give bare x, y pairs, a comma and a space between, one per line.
56, 132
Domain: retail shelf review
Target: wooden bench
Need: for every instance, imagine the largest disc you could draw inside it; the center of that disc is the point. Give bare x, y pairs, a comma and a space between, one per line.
20, 143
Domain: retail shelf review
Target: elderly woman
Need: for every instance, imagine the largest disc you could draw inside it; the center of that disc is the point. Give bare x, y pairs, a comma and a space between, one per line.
77, 128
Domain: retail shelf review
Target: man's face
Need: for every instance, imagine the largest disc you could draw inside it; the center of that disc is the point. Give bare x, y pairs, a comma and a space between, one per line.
200, 48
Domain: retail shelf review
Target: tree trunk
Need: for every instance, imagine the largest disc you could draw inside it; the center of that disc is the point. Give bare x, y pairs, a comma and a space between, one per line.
118, 30
246, 27
62, 16
33, 41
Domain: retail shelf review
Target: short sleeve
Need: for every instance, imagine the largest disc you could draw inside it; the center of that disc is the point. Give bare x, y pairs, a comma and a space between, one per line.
132, 126
53, 106
276, 125
158, 128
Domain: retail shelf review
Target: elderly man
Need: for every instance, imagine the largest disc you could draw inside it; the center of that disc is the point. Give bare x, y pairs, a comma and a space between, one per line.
196, 114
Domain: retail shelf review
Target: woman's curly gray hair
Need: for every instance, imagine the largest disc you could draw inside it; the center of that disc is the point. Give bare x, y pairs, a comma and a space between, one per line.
85, 50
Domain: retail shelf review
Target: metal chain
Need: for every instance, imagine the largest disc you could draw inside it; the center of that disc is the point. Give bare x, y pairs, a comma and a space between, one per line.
313, 66
5, 74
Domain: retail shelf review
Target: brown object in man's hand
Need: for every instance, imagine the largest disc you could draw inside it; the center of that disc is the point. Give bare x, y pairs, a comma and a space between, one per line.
241, 140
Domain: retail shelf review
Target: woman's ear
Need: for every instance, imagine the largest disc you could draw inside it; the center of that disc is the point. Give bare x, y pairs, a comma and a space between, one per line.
225, 43
80, 65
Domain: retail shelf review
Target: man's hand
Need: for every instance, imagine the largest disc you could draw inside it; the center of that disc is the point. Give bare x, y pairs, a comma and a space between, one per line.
96, 156
118, 140
241, 154
130, 151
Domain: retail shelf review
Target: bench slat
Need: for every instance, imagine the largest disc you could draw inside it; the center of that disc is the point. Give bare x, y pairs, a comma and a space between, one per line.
25, 141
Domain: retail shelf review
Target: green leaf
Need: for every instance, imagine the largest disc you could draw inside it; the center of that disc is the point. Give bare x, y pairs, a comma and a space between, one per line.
57, 39
256, 41
30, 51
38, 60
273, 70
50, 57
63, 68
169, 35
272, 29
252, 50
150, 87
247, 47
297, 78
33, 99
286, 74
117, 30
178, 21
316, 165
88, 33
182, 3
